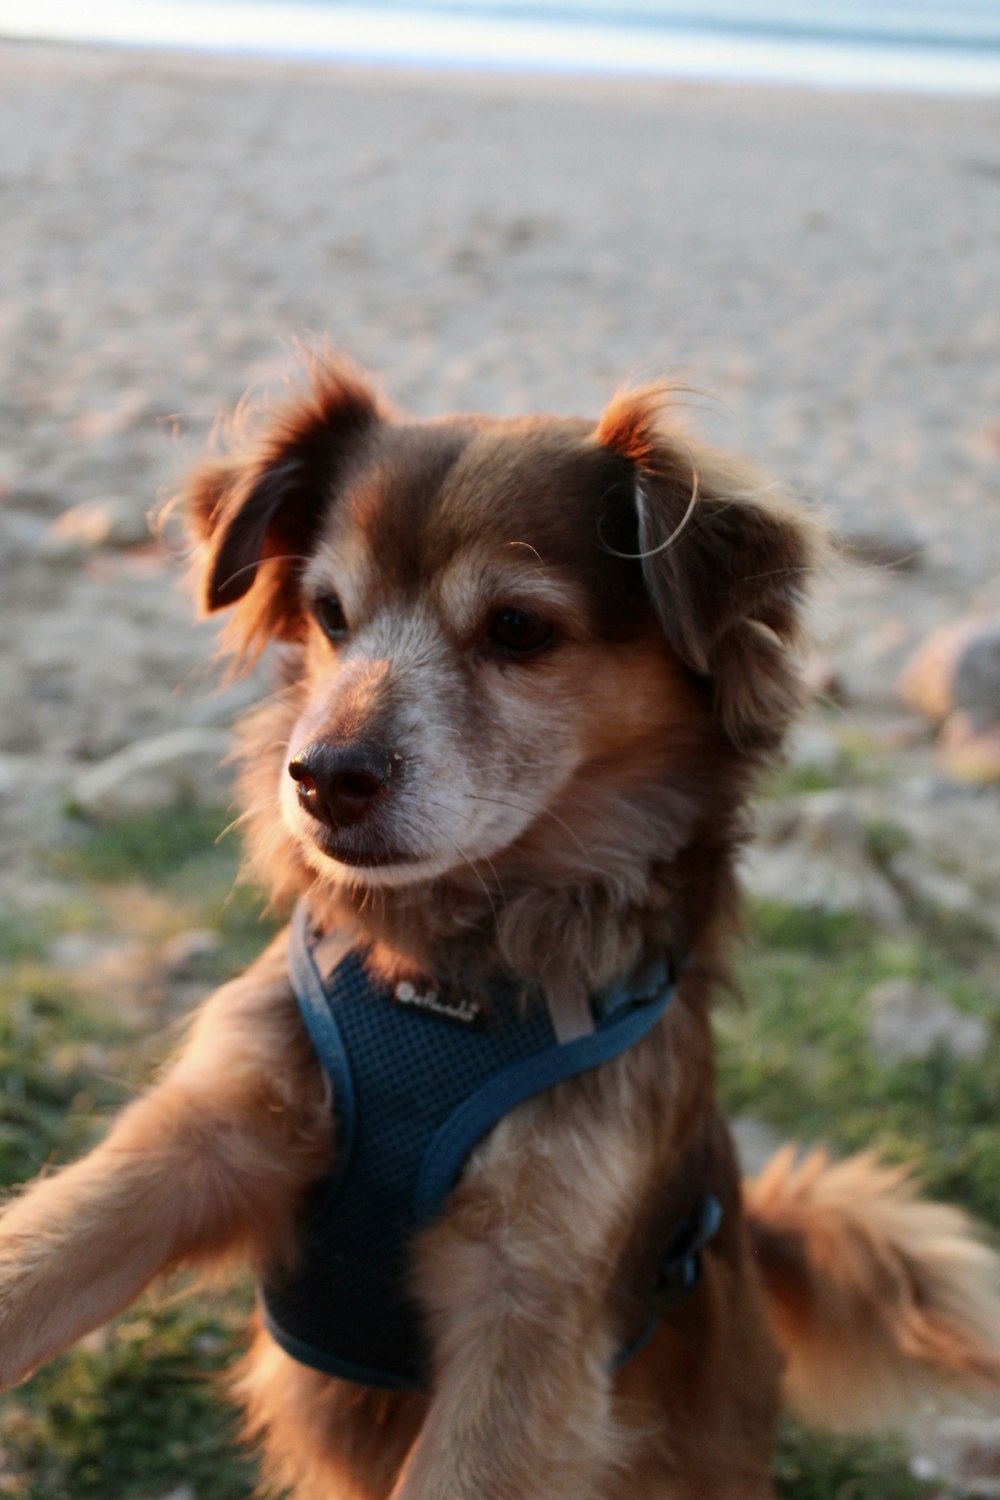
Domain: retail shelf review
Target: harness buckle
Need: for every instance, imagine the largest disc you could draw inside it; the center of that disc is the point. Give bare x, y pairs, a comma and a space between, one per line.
680, 1269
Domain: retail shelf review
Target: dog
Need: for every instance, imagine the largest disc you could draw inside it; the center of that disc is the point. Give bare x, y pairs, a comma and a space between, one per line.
532, 672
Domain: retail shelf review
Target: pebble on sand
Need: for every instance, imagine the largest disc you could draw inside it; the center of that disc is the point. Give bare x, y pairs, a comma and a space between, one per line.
813, 853
957, 667
109, 521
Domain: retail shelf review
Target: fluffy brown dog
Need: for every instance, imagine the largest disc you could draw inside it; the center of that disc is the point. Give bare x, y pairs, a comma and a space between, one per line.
533, 669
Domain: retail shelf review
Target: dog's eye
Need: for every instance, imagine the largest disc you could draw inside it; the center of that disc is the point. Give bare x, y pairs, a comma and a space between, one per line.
330, 614
519, 631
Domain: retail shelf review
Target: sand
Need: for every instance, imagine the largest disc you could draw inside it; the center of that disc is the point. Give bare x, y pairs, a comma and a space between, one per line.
822, 266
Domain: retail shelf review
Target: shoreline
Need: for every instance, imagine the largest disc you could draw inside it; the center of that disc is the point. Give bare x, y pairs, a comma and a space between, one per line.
581, 47
470, 76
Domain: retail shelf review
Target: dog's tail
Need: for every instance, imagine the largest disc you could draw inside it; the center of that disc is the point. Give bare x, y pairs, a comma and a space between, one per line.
878, 1298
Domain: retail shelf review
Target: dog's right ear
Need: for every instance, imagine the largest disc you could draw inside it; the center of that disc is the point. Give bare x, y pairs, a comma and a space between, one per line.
255, 512
725, 559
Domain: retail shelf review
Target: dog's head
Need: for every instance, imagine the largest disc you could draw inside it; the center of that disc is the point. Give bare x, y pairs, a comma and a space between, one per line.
508, 635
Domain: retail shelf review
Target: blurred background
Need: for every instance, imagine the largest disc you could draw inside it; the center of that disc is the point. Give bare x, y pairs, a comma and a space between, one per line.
792, 208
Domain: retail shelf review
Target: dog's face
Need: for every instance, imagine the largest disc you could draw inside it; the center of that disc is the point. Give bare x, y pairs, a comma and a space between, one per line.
470, 646
483, 650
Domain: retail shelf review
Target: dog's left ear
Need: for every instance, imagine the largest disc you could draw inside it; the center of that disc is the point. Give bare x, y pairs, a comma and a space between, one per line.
726, 558
255, 512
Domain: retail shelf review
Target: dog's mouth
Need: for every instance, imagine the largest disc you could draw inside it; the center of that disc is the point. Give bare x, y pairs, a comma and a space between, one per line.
361, 852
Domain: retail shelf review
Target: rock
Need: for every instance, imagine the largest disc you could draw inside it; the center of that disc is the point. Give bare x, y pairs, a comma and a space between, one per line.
41, 503
813, 852
969, 747
925, 681
977, 672
910, 1020
21, 535
935, 892
111, 521
29, 898
154, 775
956, 667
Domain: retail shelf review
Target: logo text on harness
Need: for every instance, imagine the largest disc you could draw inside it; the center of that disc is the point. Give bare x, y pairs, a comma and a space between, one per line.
463, 1011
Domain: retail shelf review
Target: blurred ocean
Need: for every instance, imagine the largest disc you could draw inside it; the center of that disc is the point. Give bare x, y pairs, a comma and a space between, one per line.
934, 46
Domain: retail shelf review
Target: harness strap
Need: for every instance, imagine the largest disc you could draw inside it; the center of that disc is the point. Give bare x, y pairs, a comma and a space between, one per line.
314, 1006
569, 1009
498, 1096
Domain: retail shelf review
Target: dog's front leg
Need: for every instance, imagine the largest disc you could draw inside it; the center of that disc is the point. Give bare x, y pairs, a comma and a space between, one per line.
210, 1161
515, 1281
521, 1414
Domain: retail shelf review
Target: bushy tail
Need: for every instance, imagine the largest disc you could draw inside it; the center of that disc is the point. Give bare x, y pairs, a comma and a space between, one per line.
878, 1298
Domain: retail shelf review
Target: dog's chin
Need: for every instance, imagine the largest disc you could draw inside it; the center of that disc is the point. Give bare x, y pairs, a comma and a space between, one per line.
351, 861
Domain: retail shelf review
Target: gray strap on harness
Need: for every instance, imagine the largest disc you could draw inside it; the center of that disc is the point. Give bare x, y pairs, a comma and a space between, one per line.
568, 1005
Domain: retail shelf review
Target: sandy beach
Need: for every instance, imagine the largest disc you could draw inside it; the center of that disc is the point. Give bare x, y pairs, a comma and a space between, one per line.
822, 265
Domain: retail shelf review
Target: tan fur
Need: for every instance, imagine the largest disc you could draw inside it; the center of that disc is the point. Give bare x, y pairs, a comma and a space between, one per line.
558, 817
877, 1296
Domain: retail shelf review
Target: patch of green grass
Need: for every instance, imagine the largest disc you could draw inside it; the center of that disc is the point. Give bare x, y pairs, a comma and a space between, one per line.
797, 1054
134, 1416
863, 759
858, 759
245, 927
153, 848
191, 860
60, 1069
801, 929
793, 781
22, 938
885, 839
809, 1466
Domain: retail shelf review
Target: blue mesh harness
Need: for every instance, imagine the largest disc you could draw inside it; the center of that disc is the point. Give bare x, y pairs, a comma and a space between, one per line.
418, 1077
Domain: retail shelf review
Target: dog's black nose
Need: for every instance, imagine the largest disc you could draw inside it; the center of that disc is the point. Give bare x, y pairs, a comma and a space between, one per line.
338, 783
